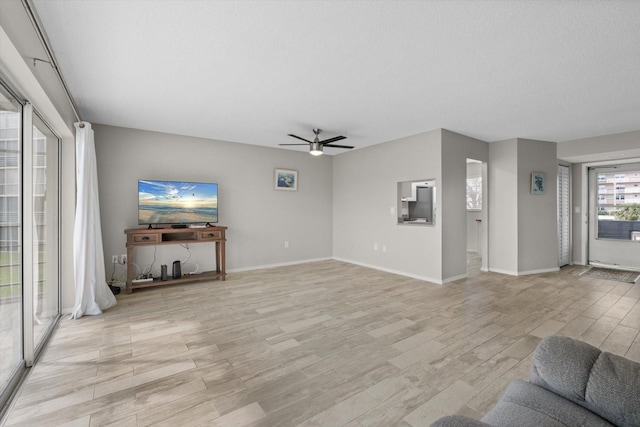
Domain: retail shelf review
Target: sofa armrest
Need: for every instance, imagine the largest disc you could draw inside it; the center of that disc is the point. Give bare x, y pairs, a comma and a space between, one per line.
458, 421
604, 383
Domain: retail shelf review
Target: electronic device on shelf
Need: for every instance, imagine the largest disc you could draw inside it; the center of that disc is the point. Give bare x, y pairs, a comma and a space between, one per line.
178, 203
177, 270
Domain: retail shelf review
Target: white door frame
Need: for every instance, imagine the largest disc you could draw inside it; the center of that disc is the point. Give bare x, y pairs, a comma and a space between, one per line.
584, 214
569, 197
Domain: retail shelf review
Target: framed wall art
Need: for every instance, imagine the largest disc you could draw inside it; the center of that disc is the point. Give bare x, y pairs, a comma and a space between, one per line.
286, 180
538, 183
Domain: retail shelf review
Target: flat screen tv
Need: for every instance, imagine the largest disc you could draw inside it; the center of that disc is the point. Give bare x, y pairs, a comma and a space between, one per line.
177, 202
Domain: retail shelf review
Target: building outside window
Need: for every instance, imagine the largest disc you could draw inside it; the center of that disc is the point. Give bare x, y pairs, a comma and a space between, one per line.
618, 205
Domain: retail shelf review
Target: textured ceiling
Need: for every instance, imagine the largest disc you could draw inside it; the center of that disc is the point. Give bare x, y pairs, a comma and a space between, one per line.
374, 71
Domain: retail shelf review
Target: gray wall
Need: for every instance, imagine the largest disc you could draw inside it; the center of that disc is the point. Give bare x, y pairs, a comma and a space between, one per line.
365, 191
364, 202
537, 214
259, 218
503, 206
456, 149
523, 236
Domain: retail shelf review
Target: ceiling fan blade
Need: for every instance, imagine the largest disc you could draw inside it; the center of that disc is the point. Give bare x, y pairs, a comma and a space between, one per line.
334, 139
295, 144
338, 146
296, 136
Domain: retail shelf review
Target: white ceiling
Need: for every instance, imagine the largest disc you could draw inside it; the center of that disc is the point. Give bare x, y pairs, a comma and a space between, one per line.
374, 71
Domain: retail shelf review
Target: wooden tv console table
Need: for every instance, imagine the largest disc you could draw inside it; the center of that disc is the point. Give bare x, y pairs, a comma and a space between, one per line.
137, 237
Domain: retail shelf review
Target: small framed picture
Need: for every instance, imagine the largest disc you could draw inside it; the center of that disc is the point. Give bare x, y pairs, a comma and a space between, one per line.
286, 179
538, 182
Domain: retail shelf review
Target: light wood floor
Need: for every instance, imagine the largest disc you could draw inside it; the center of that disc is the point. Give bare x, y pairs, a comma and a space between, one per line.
320, 344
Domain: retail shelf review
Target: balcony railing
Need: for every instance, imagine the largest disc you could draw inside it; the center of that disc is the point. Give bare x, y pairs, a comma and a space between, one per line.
620, 230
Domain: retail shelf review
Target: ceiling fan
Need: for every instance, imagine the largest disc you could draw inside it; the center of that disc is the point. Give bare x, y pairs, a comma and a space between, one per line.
316, 146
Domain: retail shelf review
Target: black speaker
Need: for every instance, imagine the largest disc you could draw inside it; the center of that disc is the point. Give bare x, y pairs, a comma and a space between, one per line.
176, 270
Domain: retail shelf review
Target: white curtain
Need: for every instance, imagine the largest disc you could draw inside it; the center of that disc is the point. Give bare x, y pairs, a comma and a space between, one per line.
92, 292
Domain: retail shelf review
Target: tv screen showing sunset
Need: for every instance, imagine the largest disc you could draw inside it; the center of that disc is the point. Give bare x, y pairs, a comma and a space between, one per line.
177, 202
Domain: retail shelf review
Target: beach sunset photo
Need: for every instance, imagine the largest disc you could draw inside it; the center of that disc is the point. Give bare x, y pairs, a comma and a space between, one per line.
177, 202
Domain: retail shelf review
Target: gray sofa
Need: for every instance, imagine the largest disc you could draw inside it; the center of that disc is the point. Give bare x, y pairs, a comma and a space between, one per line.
572, 383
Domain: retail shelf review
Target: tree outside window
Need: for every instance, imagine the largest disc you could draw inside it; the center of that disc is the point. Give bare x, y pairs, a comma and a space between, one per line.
474, 193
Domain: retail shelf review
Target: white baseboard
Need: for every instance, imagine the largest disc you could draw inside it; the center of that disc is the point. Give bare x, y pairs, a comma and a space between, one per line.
280, 264
454, 278
389, 270
524, 273
544, 270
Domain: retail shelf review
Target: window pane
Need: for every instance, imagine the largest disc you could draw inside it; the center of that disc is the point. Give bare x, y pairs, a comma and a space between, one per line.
474, 193
619, 205
45, 230
10, 244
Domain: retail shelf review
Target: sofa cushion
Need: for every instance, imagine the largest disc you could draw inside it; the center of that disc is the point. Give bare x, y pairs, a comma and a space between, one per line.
604, 383
524, 404
458, 421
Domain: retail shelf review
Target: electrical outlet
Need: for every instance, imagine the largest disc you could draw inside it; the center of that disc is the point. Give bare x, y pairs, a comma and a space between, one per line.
286, 244
123, 259
384, 248
114, 259
375, 246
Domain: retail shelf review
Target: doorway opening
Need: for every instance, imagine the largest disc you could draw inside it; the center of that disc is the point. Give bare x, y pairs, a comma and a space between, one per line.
614, 216
476, 205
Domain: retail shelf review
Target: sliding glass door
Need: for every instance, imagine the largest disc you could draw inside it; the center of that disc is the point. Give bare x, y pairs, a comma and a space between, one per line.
614, 215
44, 225
11, 307
29, 236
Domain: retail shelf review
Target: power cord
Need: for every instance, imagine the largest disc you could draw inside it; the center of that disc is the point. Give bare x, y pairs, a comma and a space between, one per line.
186, 261
117, 281
146, 274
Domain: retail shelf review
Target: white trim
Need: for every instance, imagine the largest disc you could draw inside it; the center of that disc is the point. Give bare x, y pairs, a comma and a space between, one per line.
26, 189
454, 278
541, 271
584, 215
585, 199
280, 264
501, 271
613, 266
525, 273
388, 270
562, 200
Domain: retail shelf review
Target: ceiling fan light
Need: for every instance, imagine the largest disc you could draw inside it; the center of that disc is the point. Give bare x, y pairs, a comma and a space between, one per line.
316, 149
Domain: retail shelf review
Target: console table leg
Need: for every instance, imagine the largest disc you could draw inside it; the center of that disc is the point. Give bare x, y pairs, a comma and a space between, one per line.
128, 288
